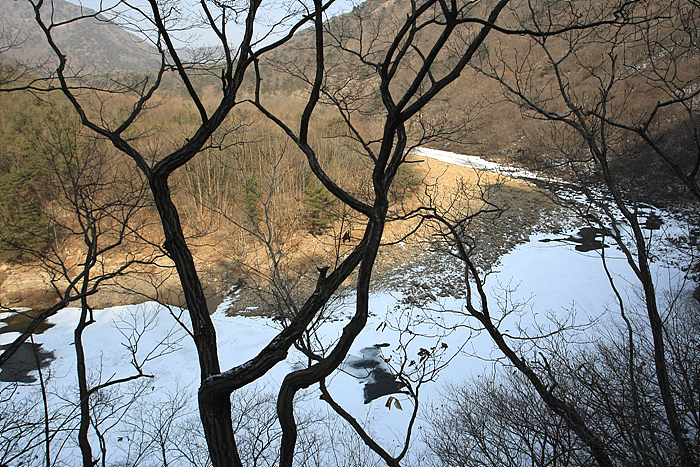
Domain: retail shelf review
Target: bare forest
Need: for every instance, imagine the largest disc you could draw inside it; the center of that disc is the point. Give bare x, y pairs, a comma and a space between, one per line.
277, 166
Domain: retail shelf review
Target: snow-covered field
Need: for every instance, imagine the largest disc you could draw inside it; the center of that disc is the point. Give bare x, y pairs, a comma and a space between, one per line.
550, 279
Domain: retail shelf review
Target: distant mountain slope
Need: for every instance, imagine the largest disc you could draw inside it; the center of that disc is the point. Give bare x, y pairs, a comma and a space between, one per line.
89, 43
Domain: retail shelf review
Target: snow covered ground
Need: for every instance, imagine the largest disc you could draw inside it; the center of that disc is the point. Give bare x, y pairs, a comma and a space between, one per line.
474, 162
550, 279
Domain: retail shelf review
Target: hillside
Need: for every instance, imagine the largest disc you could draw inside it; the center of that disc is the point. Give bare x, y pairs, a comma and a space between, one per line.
90, 44
488, 125
489, 109
232, 179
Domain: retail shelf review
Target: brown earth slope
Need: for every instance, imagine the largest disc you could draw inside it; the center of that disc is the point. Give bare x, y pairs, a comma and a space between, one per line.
525, 209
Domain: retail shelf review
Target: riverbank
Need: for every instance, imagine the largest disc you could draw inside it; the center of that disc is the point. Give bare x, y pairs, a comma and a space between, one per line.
225, 272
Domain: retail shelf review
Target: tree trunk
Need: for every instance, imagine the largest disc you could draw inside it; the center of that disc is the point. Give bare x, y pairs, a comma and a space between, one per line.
83, 393
215, 410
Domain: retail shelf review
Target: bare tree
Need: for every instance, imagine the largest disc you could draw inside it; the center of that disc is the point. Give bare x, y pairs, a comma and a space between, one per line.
89, 198
159, 22
499, 418
403, 67
86, 196
404, 59
595, 90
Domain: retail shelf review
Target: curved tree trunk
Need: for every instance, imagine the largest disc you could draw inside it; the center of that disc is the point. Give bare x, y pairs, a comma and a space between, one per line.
215, 410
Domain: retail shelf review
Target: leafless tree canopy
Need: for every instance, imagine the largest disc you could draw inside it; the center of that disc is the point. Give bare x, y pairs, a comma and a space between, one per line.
380, 72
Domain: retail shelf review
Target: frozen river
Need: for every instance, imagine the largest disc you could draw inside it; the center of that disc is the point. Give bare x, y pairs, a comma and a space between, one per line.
551, 280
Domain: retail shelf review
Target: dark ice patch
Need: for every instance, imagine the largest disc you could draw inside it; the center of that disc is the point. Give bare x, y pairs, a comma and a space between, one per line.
371, 368
586, 239
18, 367
653, 222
